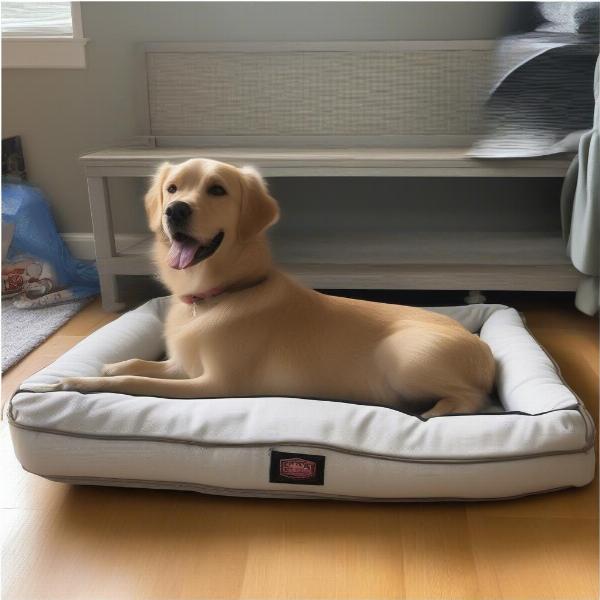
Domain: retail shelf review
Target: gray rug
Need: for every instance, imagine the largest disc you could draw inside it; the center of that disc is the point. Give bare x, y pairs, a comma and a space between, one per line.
24, 330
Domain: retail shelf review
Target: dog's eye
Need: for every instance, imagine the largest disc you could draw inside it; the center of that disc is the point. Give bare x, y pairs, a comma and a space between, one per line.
172, 188
216, 190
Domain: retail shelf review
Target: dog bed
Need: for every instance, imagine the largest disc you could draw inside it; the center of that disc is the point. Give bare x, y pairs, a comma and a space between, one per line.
538, 436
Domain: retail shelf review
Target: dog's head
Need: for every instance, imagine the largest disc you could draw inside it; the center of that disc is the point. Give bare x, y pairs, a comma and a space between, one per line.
203, 210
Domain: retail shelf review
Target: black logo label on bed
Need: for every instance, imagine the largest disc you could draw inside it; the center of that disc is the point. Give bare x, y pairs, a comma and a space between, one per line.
305, 469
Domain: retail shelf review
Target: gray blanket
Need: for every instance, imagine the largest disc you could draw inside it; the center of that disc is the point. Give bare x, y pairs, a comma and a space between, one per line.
580, 207
541, 99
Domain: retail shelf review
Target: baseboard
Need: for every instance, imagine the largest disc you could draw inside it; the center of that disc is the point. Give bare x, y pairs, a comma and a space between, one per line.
81, 245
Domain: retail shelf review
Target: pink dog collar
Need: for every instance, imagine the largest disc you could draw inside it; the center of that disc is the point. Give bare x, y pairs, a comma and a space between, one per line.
193, 299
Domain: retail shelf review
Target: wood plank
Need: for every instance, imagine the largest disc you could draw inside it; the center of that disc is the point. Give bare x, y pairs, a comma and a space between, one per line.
402, 277
426, 248
104, 238
427, 261
421, 248
285, 162
541, 558
432, 277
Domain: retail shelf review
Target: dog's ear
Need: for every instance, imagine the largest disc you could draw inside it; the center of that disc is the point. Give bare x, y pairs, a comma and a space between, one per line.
259, 210
153, 199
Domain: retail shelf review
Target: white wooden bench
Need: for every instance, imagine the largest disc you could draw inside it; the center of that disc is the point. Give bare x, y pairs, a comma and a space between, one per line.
337, 109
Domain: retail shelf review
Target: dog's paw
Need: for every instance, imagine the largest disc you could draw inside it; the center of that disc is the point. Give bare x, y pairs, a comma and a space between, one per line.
65, 384
79, 384
39, 388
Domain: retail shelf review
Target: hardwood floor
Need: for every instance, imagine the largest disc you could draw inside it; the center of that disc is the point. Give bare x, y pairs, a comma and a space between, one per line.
87, 543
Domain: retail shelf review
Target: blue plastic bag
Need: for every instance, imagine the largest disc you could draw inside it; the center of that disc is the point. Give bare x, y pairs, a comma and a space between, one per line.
35, 238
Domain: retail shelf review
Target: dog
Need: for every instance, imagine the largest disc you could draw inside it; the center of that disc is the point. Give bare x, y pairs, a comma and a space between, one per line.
239, 326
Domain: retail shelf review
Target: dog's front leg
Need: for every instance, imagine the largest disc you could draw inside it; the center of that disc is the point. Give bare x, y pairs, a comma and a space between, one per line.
199, 387
159, 369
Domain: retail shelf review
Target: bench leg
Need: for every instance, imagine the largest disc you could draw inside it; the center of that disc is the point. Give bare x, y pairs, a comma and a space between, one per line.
110, 293
104, 241
474, 297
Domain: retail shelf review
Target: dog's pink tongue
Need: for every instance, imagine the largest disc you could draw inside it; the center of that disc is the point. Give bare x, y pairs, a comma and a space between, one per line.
181, 254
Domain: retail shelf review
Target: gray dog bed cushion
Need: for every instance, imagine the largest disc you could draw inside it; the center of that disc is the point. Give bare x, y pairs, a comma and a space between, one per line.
538, 438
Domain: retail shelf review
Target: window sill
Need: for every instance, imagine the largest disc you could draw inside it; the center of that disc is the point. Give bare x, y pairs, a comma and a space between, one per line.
43, 53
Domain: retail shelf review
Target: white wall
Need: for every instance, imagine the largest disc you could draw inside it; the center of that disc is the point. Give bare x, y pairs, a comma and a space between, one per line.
62, 114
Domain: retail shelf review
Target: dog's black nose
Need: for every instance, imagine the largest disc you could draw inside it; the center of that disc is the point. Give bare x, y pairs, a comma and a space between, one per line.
178, 213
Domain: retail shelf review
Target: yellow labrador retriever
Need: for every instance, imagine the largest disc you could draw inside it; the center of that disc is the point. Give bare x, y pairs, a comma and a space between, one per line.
237, 326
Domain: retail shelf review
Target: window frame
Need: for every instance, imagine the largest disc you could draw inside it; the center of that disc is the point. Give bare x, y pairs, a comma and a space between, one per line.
47, 52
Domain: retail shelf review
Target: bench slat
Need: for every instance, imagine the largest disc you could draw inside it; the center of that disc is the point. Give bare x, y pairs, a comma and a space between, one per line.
426, 260
306, 162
